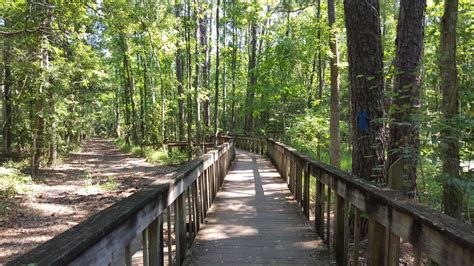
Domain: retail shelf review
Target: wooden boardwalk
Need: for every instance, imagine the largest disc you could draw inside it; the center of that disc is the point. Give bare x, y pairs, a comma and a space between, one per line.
255, 220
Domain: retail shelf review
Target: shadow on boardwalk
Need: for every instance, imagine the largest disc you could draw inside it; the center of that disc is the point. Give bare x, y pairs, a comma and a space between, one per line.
255, 220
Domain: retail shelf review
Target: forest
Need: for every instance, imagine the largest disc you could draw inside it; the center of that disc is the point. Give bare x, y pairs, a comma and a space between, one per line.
358, 85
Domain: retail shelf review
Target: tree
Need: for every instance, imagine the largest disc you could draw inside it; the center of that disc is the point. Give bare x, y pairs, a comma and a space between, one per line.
449, 144
216, 95
365, 54
179, 77
252, 78
404, 109
334, 61
366, 88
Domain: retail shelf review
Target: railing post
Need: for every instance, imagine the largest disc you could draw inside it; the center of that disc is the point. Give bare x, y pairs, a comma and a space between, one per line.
376, 243
356, 236
306, 195
341, 231
180, 229
319, 213
155, 242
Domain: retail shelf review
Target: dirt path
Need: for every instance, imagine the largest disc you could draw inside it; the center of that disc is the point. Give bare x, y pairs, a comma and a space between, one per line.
67, 194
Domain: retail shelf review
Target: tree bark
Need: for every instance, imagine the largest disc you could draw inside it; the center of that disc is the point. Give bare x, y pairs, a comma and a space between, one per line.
179, 78
233, 70
449, 146
38, 120
216, 96
334, 61
252, 80
127, 92
365, 56
199, 35
7, 94
404, 125
366, 87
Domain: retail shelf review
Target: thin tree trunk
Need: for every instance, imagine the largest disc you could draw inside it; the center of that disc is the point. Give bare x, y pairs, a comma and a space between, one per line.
7, 94
199, 35
179, 77
224, 85
189, 78
334, 61
449, 146
252, 81
404, 126
207, 74
320, 60
128, 127
38, 118
233, 70
216, 96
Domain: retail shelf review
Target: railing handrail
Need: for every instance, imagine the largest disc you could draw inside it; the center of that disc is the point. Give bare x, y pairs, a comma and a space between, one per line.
441, 237
101, 237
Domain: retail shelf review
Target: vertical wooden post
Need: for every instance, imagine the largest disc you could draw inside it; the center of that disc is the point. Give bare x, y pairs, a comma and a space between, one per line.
328, 218
189, 209
155, 242
340, 232
180, 229
319, 213
395, 171
298, 180
196, 207
168, 237
376, 243
128, 256
145, 247
306, 190
356, 236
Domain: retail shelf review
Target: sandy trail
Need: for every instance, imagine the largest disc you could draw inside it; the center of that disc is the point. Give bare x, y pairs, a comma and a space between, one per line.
67, 194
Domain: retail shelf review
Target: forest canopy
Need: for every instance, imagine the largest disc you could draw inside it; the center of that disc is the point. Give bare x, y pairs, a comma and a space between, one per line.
150, 72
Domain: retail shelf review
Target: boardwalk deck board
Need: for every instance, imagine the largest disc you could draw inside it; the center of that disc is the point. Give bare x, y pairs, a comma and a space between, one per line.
255, 220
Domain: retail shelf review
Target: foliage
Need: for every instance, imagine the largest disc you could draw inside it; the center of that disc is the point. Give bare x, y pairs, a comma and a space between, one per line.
12, 182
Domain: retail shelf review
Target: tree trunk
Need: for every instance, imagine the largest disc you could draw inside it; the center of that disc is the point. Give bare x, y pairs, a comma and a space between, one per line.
53, 151
189, 79
366, 87
334, 61
449, 146
38, 117
126, 79
7, 94
252, 81
320, 60
197, 79
404, 125
179, 77
366, 91
224, 85
216, 96
233, 70
117, 112
206, 79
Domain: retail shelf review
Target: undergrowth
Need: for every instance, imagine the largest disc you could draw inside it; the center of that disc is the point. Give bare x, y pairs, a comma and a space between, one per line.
154, 156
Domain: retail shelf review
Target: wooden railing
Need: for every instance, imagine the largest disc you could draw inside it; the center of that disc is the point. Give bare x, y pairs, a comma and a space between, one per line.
391, 216
182, 198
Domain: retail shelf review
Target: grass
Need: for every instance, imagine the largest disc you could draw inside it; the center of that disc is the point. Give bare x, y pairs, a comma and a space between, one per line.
154, 156
12, 182
110, 184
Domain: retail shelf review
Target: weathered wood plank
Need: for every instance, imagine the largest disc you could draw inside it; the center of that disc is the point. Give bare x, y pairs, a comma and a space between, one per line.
254, 221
